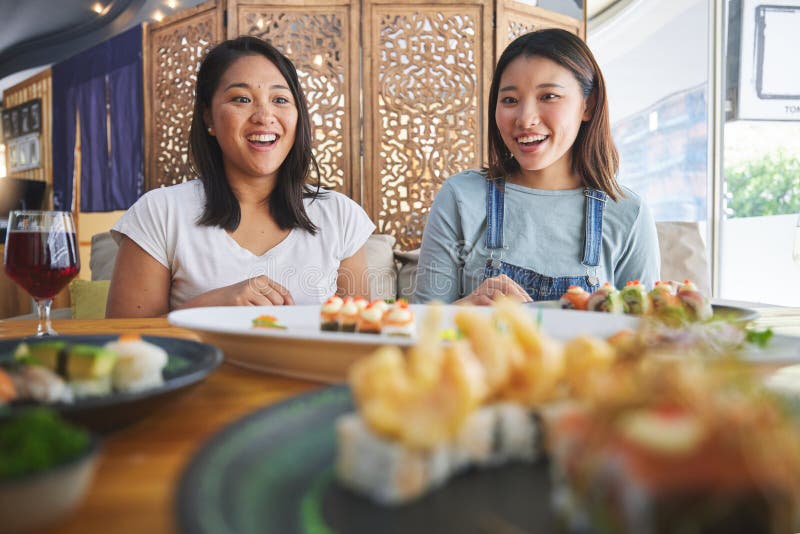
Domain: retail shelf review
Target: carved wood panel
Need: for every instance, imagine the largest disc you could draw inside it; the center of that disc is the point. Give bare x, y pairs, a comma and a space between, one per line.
321, 39
516, 18
37, 86
424, 94
174, 48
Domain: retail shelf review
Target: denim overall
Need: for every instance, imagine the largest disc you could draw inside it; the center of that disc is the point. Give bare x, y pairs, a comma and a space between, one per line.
539, 286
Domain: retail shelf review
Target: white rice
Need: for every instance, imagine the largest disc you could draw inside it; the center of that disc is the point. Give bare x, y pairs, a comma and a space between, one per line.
138, 366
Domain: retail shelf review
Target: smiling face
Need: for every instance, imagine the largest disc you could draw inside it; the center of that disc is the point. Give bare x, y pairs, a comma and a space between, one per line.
253, 115
540, 107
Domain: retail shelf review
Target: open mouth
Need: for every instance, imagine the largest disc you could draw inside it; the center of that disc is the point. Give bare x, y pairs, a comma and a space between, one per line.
532, 140
263, 139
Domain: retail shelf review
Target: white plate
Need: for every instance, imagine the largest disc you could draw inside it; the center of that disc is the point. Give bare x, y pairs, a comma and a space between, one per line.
303, 351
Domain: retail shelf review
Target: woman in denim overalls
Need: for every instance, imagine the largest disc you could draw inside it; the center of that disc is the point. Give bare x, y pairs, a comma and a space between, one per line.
548, 135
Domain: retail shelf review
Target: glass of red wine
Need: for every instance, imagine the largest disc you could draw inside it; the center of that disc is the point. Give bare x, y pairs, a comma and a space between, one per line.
41, 255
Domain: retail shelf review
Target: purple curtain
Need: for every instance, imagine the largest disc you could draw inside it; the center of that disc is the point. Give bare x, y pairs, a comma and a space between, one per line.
103, 85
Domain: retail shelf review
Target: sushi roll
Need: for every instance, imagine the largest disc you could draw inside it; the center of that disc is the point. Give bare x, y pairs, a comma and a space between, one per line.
497, 434
606, 299
697, 306
139, 364
384, 470
399, 320
348, 315
370, 319
86, 368
329, 314
390, 472
634, 296
666, 304
576, 298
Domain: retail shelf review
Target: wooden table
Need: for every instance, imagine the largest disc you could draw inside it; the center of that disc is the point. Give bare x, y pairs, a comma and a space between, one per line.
135, 484
136, 480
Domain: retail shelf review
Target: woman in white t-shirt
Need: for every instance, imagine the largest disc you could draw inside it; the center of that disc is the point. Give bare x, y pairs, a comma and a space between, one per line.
250, 230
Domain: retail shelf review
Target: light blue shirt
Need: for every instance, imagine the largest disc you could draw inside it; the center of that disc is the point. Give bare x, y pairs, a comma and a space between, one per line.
543, 231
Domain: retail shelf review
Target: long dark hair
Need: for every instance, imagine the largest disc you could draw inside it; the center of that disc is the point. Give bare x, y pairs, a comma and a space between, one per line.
594, 156
286, 199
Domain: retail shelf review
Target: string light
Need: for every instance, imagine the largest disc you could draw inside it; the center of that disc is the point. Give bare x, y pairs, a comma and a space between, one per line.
98, 8
172, 4
158, 16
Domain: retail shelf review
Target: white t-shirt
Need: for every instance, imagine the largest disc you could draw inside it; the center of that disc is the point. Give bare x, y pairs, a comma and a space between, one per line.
201, 258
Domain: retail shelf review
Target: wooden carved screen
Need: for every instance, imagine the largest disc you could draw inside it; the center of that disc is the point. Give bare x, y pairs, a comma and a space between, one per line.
173, 50
424, 71
37, 86
321, 39
516, 18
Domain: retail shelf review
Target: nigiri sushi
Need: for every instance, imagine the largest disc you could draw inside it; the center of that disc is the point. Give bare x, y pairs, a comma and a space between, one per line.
139, 364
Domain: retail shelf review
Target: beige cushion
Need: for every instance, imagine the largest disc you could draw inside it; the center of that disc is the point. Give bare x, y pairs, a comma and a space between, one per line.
102, 256
407, 273
381, 271
88, 299
683, 254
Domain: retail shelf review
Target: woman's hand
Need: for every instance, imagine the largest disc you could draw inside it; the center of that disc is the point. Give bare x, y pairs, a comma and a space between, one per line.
258, 291
492, 288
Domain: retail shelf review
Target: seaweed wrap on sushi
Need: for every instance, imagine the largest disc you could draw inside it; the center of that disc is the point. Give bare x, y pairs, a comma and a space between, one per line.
606, 299
576, 298
330, 314
348, 315
634, 296
697, 305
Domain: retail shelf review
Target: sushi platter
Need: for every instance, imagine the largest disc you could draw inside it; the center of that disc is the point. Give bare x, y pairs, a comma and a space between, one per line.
301, 349
272, 472
508, 429
77, 381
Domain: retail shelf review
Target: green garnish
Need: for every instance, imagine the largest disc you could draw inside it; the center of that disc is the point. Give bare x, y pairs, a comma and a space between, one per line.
759, 338
267, 321
451, 334
35, 440
28, 359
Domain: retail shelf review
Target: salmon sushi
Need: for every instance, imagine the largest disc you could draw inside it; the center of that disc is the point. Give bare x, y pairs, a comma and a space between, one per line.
330, 314
576, 298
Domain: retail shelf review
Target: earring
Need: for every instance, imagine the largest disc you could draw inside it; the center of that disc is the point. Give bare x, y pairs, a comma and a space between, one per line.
210, 130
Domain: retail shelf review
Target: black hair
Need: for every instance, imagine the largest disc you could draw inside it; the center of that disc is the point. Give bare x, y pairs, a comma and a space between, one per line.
286, 199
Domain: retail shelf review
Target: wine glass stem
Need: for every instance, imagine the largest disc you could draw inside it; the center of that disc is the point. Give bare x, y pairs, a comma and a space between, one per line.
45, 328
